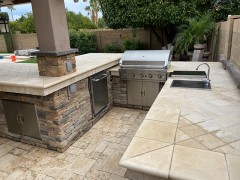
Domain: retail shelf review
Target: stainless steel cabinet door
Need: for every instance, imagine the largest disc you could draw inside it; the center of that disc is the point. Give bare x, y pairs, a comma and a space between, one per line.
100, 93
11, 114
28, 119
134, 90
150, 92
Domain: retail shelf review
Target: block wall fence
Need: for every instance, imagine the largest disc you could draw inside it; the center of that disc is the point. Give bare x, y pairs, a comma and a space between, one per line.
103, 37
227, 38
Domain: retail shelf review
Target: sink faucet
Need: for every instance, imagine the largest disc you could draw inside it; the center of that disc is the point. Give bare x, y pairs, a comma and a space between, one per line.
207, 80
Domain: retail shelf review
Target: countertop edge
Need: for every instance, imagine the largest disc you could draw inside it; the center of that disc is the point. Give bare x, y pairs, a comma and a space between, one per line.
44, 90
144, 169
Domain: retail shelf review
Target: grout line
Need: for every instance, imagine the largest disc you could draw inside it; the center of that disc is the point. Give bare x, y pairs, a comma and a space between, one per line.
201, 143
147, 152
160, 121
153, 139
227, 166
170, 166
228, 144
225, 143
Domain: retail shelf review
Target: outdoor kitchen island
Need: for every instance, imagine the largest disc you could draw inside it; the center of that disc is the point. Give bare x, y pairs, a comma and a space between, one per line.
189, 133
51, 112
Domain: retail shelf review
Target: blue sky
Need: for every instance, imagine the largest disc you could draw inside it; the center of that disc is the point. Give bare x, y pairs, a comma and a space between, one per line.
25, 8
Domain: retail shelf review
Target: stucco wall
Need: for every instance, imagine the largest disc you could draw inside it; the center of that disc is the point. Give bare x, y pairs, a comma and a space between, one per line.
24, 41
222, 37
235, 48
228, 40
116, 37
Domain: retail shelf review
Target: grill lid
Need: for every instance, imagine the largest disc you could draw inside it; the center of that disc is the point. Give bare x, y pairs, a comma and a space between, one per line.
145, 59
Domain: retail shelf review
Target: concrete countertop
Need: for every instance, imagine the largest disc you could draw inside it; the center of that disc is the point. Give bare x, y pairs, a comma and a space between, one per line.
24, 78
189, 133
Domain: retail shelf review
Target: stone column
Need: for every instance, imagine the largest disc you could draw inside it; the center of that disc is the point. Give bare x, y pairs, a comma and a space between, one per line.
55, 57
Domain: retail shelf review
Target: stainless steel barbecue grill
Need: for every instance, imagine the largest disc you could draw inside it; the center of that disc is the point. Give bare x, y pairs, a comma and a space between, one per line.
148, 65
145, 73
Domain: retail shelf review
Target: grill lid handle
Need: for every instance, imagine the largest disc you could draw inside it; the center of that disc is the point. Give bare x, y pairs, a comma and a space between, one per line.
99, 78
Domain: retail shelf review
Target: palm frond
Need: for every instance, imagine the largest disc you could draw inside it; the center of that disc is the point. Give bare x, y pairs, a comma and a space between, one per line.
193, 32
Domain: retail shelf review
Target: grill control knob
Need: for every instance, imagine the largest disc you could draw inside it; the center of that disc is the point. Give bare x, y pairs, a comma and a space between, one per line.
141, 75
133, 75
150, 75
160, 76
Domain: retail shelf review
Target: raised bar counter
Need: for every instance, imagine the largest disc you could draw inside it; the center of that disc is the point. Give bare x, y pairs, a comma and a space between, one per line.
24, 78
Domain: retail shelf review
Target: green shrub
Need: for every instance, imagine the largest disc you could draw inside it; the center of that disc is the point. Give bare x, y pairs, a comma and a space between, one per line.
73, 36
83, 41
25, 24
132, 44
195, 32
4, 15
112, 49
78, 21
9, 42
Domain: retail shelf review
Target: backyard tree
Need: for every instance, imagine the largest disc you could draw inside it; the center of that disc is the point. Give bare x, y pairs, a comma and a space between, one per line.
101, 23
25, 24
93, 10
164, 14
11, 8
78, 21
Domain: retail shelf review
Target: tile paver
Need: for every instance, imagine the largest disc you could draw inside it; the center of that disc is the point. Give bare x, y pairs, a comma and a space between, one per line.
156, 130
210, 141
94, 156
233, 166
192, 143
216, 168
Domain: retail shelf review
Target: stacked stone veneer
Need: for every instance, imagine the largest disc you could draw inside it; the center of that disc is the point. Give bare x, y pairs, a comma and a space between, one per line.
62, 117
119, 88
3, 124
55, 65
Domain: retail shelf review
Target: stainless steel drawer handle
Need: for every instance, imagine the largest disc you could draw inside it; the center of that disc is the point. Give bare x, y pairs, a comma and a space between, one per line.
18, 119
99, 78
21, 119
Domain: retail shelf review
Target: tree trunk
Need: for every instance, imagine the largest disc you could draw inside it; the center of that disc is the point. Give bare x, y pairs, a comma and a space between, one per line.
12, 14
159, 38
96, 11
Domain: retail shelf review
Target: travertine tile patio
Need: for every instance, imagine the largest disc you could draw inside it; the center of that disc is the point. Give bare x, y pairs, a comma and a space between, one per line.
94, 156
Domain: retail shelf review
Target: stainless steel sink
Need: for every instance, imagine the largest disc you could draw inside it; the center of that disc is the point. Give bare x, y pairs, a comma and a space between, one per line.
190, 84
200, 74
